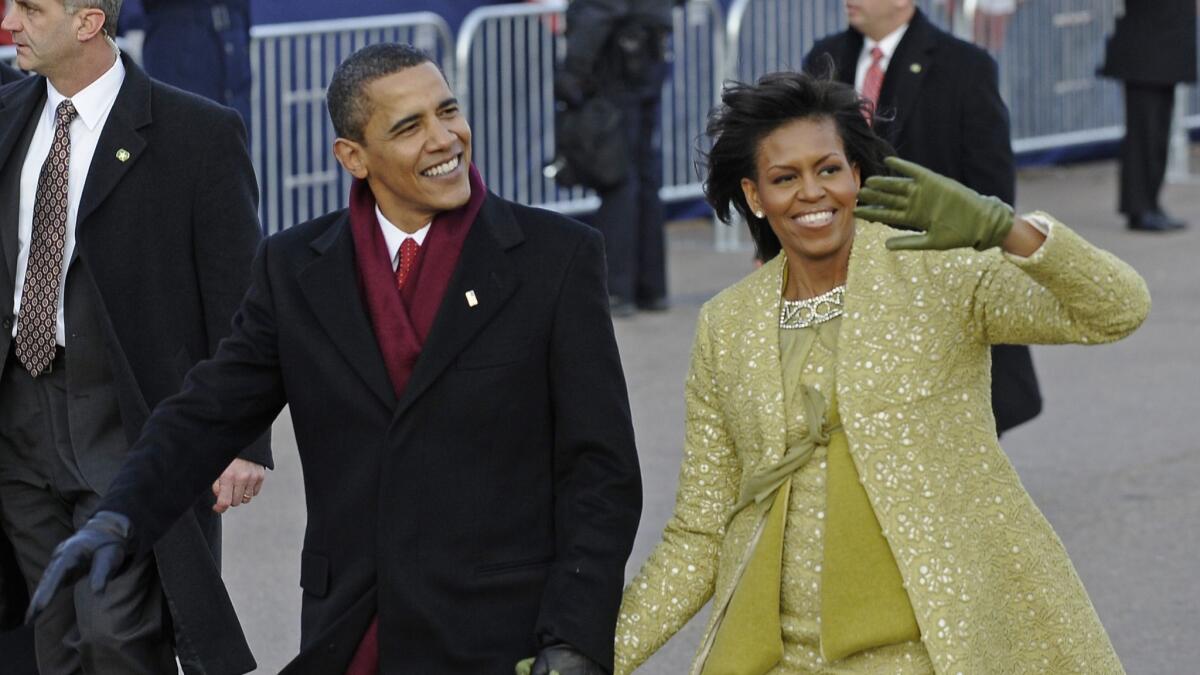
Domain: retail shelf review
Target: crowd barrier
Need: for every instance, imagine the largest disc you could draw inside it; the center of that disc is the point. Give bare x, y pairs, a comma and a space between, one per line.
501, 66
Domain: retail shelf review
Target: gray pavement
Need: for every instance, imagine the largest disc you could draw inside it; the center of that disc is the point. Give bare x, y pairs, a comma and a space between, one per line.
1113, 461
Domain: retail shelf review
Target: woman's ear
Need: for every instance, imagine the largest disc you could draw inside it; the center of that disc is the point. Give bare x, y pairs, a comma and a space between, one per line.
857, 175
750, 191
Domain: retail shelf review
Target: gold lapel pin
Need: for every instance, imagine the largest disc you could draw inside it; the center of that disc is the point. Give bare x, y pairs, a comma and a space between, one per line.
916, 67
123, 155
471, 299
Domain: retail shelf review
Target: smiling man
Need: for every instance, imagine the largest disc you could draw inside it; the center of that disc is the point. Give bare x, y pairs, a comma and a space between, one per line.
449, 364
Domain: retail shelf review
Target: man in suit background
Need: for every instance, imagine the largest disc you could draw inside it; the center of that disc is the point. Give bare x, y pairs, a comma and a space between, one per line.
1152, 49
127, 226
450, 367
937, 101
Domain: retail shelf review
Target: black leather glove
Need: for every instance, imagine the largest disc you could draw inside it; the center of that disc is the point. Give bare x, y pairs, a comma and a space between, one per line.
571, 88
563, 659
99, 547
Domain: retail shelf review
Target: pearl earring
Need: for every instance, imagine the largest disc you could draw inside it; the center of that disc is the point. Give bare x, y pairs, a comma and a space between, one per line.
758, 214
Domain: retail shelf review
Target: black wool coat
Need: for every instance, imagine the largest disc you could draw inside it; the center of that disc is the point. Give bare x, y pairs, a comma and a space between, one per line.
166, 229
942, 108
1154, 42
489, 508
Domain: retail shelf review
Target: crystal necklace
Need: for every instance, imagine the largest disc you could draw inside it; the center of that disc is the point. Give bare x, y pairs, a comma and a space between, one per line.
813, 311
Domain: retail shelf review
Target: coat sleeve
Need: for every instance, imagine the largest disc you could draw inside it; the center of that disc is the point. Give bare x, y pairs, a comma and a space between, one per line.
226, 402
225, 215
987, 158
597, 491
680, 574
1068, 291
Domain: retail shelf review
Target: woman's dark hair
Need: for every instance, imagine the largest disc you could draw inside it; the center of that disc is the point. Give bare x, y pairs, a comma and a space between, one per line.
749, 113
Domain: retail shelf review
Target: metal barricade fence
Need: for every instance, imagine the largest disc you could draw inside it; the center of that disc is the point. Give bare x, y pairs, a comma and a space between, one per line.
291, 135
505, 60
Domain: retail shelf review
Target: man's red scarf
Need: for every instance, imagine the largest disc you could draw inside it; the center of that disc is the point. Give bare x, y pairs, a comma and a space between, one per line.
402, 319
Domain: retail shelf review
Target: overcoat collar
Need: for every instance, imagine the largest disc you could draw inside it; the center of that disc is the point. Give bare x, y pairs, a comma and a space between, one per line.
121, 143
330, 285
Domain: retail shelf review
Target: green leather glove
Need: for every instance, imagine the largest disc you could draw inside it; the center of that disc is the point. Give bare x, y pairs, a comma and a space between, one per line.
950, 214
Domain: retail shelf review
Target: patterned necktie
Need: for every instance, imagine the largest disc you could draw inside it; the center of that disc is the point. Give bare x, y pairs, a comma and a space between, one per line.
873, 81
408, 255
39, 296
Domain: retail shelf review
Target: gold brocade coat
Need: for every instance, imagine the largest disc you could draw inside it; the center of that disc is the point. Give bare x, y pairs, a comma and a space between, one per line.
989, 581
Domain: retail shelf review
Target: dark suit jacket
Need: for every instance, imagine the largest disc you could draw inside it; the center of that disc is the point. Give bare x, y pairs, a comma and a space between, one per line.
1153, 43
165, 233
942, 98
493, 504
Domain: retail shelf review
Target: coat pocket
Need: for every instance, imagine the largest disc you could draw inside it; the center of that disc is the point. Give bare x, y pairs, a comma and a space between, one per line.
491, 358
314, 574
509, 566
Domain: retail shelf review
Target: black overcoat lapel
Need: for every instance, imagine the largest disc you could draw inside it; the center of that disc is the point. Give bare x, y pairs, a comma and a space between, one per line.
483, 269
330, 284
905, 75
16, 107
121, 143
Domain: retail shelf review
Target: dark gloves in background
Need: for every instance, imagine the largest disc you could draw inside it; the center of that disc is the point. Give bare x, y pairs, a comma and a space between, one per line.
99, 549
560, 659
571, 88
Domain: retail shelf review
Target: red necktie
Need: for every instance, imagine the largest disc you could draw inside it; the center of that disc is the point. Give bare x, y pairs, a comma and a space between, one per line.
873, 81
38, 315
408, 255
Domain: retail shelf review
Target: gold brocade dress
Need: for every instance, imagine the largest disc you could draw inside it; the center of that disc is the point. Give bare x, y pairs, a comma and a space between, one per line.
809, 357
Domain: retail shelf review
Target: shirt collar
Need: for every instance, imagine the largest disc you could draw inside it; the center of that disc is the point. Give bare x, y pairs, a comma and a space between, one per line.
888, 44
95, 100
394, 236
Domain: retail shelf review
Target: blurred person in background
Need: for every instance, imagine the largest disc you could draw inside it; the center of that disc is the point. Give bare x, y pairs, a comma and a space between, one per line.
937, 101
9, 74
616, 49
843, 500
1151, 50
201, 46
128, 221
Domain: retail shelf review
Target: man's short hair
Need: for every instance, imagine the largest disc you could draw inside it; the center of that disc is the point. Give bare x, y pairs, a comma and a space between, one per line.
111, 9
349, 104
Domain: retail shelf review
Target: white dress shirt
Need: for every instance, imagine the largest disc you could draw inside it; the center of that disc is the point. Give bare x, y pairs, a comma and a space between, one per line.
93, 104
394, 236
887, 45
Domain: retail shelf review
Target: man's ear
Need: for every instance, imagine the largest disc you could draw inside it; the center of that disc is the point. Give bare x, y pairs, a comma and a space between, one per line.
91, 23
350, 155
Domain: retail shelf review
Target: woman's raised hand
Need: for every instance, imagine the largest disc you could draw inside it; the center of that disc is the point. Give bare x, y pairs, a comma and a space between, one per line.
949, 214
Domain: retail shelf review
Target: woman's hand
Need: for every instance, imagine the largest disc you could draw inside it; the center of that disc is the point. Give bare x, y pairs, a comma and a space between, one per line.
950, 214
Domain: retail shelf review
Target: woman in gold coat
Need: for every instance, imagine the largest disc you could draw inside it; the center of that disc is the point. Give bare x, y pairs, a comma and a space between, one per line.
843, 499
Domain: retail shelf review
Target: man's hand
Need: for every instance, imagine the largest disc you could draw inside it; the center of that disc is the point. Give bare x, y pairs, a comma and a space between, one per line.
572, 89
100, 547
950, 214
240, 482
561, 659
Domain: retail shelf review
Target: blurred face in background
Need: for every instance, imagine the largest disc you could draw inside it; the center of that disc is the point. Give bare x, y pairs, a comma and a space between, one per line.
416, 147
877, 18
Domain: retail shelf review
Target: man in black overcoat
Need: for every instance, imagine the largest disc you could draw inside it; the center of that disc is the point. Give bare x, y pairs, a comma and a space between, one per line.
1152, 48
939, 106
450, 367
127, 226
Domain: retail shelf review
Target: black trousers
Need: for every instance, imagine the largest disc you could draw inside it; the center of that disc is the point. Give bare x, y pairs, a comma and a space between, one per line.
631, 215
44, 498
1144, 149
